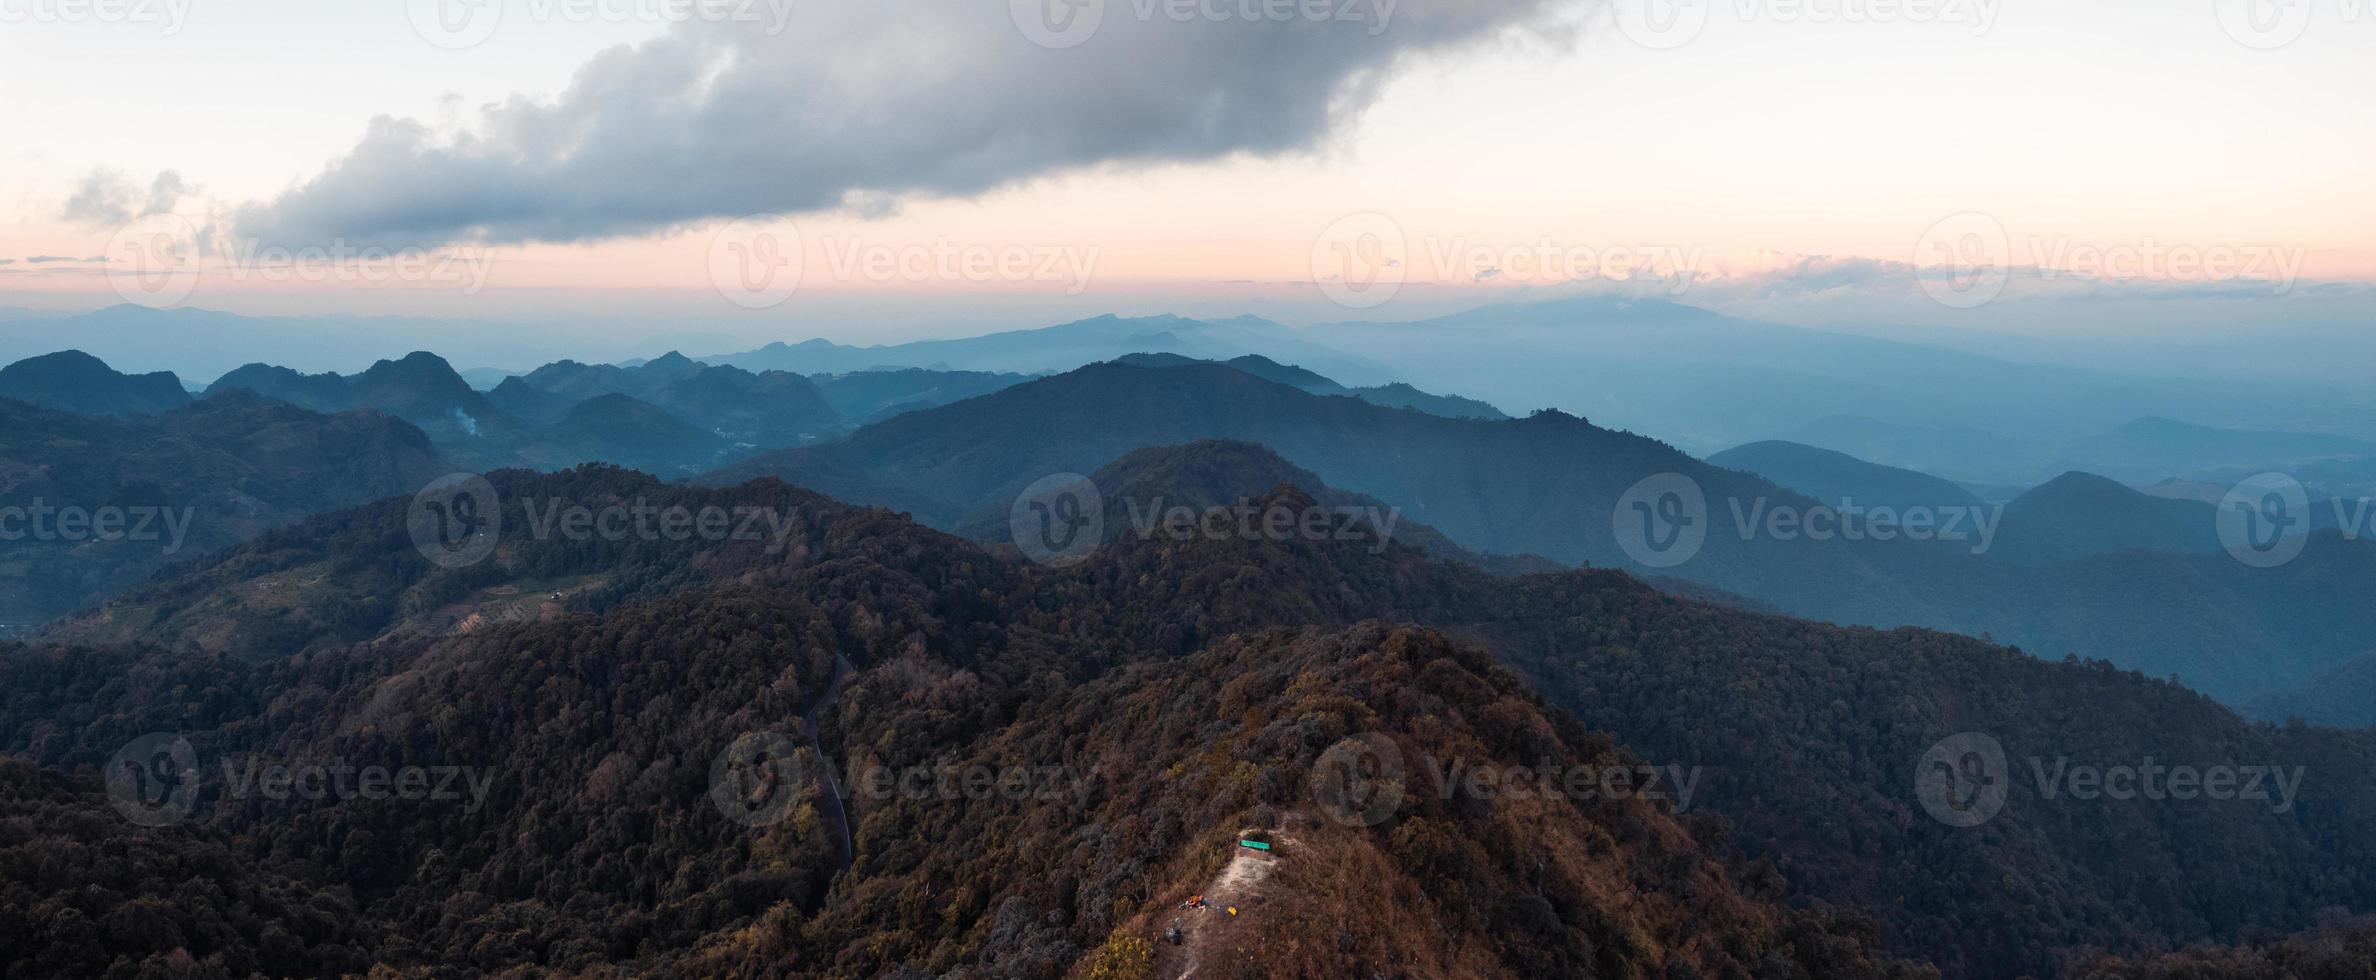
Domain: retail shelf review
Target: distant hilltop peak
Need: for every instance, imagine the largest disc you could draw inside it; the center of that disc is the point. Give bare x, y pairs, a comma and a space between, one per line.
74, 381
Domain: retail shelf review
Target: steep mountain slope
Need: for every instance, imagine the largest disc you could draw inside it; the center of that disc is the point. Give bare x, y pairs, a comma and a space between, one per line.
72, 381
618, 819
1814, 738
154, 490
1835, 477
1153, 694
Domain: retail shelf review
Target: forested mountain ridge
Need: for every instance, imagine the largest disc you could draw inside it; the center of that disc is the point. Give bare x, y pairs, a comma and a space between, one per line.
586, 538
99, 503
1809, 737
600, 836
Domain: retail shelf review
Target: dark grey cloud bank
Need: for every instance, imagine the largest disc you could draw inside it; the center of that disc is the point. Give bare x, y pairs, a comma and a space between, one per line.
856, 105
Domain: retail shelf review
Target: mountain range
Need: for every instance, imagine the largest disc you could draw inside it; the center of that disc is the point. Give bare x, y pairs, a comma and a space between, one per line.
97, 503
1551, 485
1172, 696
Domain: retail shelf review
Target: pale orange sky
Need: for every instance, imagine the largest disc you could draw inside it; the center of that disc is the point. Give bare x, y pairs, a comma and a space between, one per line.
2107, 126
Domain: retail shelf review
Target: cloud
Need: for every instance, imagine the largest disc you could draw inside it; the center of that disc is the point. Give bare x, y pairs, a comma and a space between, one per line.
106, 198
858, 105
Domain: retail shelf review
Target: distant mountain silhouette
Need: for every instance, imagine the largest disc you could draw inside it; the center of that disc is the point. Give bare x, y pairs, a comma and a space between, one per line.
865, 397
1066, 346
2154, 448
678, 414
72, 381
1397, 395
1836, 478
1551, 485
2077, 515
1950, 452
